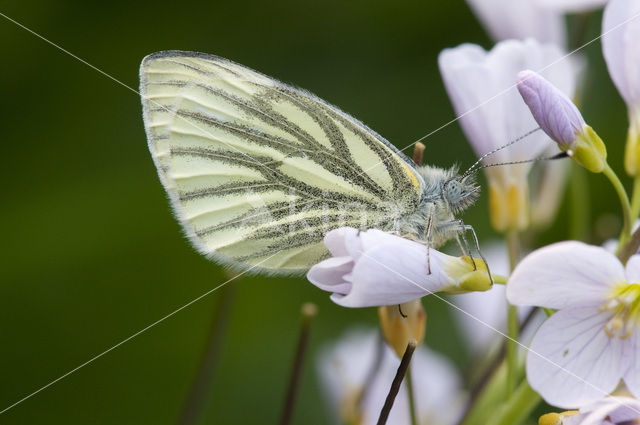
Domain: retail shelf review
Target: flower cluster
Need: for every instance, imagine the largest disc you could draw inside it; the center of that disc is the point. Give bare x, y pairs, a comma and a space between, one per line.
515, 105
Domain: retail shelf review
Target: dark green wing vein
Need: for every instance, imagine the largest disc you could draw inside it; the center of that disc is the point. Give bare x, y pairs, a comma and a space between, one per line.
258, 171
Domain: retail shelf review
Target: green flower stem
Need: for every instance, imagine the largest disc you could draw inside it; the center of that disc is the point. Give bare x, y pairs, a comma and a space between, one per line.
513, 245
491, 396
579, 204
412, 401
519, 407
635, 199
625, 234
499, 279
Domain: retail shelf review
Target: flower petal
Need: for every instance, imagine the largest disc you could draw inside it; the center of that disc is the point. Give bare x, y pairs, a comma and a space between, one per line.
620, 35
632, 375
572, 361
480, 85
508, 19
617, 410
336, 240
552, 109
329, 275
396, 272
564, 274
632, 269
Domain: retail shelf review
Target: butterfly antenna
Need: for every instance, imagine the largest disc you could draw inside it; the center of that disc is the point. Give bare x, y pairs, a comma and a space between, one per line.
472, 169
560, 155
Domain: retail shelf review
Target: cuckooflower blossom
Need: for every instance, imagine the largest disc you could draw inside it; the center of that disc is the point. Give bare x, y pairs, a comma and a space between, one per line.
520, 19
561, 120
356, 385
620, 35
608, 411
581, 352
480, 85
374, 268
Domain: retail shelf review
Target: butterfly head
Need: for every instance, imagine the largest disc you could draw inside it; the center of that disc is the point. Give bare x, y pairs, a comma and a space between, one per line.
460, 192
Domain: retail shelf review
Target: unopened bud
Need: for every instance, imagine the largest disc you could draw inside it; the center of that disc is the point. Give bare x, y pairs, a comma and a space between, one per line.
561, 120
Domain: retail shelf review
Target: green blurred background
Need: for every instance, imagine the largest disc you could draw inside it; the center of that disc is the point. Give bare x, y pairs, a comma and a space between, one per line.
90, 252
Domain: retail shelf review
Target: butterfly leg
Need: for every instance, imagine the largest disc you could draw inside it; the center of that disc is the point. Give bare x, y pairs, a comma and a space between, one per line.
428, 237
470, 228
461, 239
462, 230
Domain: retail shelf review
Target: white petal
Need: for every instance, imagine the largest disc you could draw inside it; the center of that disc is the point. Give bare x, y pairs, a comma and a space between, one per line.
519, 19
564, 274
620, 35
329, 275
632, 375
481, 86
616, 409
571, 6
632, 269
572, 361
336, 240
394, 273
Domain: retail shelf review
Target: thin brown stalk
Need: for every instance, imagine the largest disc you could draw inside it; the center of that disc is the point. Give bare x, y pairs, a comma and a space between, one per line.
309, 310
397, 381
195, 402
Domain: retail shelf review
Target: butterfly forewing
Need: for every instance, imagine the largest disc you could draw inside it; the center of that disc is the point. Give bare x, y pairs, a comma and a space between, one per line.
258, 171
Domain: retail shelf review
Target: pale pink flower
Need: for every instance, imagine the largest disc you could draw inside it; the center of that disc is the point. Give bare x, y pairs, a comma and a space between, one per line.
581, 352
608, 411
374, 268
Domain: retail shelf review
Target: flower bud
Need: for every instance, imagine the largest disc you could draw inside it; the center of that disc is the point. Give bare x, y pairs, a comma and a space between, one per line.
561, 120
632, 149
400, 323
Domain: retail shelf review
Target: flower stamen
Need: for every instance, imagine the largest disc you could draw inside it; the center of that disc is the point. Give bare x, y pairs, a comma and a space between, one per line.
624, 304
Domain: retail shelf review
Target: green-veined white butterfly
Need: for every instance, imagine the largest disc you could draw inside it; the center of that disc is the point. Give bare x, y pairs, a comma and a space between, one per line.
258, 171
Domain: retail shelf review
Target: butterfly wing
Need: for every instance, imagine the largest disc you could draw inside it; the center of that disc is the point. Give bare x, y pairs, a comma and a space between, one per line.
258, 171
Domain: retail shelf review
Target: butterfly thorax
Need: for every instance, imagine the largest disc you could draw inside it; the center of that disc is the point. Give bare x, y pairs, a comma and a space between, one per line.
445, 194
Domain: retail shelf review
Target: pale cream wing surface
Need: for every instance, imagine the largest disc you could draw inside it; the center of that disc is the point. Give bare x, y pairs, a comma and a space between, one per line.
254, 167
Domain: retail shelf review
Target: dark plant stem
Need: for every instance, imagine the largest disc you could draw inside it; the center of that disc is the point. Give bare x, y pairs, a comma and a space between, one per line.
397, 381
309, 310
631, 247
195, 402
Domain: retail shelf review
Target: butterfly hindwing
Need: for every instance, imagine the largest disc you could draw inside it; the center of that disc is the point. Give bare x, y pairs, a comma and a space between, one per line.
258, 171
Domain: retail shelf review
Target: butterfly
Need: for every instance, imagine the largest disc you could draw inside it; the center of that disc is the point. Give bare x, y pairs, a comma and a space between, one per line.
258, 171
